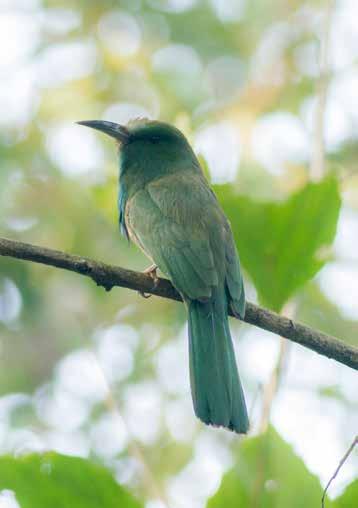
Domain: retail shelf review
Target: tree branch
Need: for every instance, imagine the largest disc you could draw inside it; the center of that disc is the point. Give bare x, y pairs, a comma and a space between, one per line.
109, 276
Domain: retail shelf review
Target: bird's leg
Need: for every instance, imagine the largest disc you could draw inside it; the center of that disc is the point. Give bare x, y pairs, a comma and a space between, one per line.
152, 271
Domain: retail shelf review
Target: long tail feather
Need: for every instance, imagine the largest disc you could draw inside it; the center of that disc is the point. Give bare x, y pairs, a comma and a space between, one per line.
215, 384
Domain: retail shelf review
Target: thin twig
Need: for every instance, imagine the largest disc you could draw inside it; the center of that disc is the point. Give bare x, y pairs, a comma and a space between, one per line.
318, 151
255, 398
272, 386
109, 276
133, 446
342, 461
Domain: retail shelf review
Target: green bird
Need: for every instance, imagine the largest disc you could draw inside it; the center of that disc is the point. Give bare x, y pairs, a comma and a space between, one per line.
167, 208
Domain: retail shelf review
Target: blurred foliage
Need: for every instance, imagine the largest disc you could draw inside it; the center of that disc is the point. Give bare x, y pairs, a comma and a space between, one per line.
281, 245
317, 311
349, 498
56, 480
239, 79
267, 473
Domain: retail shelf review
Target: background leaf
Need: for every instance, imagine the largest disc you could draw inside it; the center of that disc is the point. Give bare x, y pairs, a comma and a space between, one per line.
279, 243
268, 474
54, 480
349, 498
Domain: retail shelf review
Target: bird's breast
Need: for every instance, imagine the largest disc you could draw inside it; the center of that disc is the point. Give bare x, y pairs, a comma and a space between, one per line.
131, 231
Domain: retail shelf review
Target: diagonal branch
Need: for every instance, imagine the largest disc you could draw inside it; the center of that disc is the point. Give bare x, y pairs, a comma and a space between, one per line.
109, 276
341, 462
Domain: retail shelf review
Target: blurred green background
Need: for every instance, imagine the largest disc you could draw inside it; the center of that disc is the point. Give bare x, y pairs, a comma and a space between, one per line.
257, 86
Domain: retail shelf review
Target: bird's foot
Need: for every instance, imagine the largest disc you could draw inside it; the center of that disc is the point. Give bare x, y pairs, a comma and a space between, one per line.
152, 271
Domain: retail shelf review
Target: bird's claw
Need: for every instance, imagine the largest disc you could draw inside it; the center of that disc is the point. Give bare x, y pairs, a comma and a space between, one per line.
145, 295
152, 272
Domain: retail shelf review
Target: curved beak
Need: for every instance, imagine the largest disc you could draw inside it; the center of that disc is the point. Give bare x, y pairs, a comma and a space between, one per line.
119, 132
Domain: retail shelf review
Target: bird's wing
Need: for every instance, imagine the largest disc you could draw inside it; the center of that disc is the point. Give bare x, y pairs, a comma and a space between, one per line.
233, 276
178, 223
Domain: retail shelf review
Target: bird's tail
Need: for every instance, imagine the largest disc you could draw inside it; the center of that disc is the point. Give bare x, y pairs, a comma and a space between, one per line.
217, 394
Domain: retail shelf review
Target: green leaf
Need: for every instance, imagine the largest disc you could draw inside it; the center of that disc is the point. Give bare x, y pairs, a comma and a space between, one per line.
281, 244
268, 474
58, 481
318, 312
349, 498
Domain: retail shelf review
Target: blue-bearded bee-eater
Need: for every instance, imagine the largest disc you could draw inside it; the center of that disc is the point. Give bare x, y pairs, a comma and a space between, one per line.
167, 208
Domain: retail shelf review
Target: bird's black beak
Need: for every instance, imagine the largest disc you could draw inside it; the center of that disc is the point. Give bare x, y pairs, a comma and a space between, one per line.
119, 132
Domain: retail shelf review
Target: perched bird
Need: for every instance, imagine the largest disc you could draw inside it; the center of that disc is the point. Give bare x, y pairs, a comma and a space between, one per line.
167, 208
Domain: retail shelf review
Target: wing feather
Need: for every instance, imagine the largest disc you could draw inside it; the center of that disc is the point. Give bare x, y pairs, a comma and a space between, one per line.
179, 224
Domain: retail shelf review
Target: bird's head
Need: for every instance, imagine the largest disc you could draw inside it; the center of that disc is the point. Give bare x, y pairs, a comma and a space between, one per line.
142, 133
148, 147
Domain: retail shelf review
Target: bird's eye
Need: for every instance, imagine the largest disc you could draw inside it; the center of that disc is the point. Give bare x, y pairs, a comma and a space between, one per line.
154, 139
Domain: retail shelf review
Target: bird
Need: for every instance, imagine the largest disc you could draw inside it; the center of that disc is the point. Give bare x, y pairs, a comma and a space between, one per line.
167, 208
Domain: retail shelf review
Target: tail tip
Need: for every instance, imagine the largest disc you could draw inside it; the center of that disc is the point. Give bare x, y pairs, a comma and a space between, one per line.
241, 427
